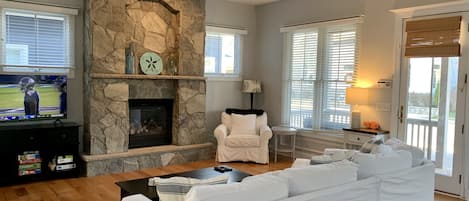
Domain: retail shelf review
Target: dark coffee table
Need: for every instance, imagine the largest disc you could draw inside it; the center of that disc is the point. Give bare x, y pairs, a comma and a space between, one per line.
140, 186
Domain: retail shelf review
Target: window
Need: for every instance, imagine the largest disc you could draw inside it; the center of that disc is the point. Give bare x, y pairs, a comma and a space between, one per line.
35, 41
321, 64
223, 52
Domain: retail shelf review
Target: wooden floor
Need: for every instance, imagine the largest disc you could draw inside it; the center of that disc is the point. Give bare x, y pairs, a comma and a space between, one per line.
102, 188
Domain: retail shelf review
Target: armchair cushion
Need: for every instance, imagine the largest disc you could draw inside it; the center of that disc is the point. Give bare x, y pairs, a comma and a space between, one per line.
243, 124
243, 141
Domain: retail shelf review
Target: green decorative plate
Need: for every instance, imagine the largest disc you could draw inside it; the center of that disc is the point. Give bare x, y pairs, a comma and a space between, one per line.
151, 63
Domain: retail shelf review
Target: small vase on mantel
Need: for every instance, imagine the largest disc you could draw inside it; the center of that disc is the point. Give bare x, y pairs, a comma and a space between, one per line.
129, 59
172, 67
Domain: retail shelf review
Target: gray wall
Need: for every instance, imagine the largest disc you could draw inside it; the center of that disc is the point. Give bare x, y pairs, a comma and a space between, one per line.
227, 94
376, 49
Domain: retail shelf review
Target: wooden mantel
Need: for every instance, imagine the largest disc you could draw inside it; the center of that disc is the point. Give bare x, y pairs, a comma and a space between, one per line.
145, 77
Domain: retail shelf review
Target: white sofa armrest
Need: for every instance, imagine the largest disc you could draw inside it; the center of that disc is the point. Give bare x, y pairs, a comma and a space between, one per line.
266, 133
137, 197
220, 133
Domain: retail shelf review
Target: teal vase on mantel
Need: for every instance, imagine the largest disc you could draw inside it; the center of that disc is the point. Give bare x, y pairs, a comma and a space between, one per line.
129, 59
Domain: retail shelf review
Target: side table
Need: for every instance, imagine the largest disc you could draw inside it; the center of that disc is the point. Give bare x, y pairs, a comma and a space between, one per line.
279, 132
354, 138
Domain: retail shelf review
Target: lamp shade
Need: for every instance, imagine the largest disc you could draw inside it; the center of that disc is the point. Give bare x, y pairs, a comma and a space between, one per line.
252, 86
356, 96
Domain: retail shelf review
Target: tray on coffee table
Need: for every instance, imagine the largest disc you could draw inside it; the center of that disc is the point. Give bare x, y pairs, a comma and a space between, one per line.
140, 186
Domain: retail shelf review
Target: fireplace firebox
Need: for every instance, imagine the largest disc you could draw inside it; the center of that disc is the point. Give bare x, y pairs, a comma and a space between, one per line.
150, 122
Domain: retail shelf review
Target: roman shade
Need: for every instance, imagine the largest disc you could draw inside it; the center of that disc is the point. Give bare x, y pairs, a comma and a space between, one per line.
433, 37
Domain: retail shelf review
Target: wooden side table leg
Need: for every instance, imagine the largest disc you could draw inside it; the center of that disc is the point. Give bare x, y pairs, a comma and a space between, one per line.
293, 147
275, 149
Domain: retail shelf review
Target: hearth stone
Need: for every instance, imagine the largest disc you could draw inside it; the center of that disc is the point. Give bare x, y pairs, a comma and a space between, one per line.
149, 157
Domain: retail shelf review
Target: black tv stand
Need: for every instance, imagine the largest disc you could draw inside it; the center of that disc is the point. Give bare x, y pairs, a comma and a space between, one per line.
32, 151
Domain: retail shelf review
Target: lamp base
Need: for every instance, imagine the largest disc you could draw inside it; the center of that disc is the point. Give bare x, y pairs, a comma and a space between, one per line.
356, 120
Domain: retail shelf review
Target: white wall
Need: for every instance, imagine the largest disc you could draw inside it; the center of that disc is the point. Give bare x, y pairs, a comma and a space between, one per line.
376, 49
227, 94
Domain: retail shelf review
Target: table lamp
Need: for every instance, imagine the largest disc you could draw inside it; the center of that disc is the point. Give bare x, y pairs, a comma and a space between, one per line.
252, 87
356, 96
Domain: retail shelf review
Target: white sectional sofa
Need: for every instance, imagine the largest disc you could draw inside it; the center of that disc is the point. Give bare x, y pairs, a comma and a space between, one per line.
369, 178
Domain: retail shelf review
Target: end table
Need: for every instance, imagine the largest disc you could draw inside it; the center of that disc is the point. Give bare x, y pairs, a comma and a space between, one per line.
279, 132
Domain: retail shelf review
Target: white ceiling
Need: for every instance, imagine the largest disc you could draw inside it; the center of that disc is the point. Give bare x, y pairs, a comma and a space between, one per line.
253, 2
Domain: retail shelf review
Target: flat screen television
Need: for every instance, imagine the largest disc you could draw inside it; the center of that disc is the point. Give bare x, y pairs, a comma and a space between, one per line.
32, 97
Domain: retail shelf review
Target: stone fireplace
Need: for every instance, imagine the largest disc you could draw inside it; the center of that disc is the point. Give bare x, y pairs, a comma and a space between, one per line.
172, 28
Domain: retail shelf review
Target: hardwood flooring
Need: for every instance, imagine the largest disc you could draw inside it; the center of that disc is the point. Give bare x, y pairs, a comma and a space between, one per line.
103, 188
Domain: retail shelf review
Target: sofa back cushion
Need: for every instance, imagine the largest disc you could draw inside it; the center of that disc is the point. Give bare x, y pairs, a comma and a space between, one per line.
243, 124
315, 177
264, 188
376, 164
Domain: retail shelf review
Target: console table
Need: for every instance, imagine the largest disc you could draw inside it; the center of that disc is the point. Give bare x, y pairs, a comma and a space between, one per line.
32, 151
354, 138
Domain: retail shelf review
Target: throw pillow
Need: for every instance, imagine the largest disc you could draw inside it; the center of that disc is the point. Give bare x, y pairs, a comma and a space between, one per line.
243, 124
259, 188
368, 146
382, 149
376, 164
226, 120
315, 177
261, 121
176, 188
418, 156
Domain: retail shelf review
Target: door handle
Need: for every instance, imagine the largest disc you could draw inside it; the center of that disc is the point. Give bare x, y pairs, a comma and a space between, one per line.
401, 114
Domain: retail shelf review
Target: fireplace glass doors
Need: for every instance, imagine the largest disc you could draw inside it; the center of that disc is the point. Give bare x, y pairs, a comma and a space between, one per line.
150, 122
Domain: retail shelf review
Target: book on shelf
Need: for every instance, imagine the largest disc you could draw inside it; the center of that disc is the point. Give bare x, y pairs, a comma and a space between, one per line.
29, 163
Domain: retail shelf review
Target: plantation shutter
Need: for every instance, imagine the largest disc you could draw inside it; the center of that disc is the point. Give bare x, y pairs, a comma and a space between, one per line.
433, 37
303, 77
340, 71
36, 42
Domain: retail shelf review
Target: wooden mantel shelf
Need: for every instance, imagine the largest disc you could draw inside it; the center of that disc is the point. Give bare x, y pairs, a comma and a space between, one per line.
145, 77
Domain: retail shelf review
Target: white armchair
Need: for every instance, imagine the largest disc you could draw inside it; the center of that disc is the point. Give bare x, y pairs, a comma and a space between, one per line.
243, 138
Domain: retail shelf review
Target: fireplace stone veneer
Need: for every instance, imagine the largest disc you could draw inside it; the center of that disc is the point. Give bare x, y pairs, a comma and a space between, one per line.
176, 30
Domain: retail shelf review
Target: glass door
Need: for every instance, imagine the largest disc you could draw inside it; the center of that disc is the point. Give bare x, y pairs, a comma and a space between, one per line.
431, 113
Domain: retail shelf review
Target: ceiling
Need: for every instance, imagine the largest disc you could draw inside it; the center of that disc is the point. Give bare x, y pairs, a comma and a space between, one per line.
253, 2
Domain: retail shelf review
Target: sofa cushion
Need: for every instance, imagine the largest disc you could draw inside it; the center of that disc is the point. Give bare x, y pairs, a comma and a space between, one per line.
315, 177
376, 164
243, 124
175, 188
243, 141
265, 188
136, 197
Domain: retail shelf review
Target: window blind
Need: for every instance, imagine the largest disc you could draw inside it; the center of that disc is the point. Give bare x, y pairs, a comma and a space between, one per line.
322, 63
303, 78
36, 42
341, 59
433, 37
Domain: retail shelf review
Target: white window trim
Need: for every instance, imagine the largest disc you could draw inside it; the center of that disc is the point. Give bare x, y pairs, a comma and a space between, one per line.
226, 30
68, 13
287, 32
38, 7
